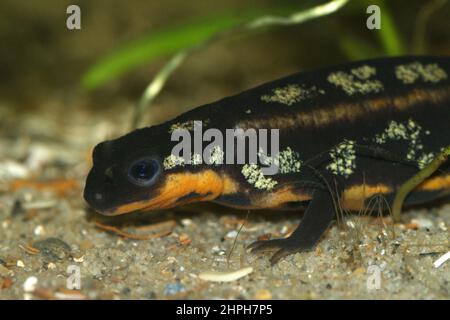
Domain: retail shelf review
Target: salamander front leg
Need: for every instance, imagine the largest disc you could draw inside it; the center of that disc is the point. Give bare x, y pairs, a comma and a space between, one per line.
317, 218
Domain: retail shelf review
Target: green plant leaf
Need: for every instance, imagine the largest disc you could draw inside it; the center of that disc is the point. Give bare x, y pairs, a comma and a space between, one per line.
389, 35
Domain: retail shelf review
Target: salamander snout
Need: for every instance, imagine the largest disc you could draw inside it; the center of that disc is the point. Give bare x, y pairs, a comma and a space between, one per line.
119, 178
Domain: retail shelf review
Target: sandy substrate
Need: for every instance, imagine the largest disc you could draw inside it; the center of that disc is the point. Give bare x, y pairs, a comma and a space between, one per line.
47, 232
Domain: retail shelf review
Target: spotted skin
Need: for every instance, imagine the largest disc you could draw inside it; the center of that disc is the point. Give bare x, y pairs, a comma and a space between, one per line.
346, 133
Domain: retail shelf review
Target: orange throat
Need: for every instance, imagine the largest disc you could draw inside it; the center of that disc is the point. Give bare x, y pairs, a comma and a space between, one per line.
206, 185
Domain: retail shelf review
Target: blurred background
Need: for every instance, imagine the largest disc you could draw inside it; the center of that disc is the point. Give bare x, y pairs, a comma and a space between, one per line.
41, 61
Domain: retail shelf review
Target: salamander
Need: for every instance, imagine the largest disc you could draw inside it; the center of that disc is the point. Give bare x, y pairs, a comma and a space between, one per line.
346, 133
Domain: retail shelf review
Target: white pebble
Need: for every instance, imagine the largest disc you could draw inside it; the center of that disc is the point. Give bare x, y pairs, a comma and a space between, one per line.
423, 223
20, 264
186, 222
30, 284
80, 259
10, 170
39, 230
441, 260
442, 226
232, 234
225, 276
351, 224
38, 156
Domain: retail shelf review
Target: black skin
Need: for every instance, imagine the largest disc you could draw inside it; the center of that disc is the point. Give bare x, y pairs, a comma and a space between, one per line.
427, 103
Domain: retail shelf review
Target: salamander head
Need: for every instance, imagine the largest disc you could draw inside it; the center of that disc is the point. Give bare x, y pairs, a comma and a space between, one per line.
128, 175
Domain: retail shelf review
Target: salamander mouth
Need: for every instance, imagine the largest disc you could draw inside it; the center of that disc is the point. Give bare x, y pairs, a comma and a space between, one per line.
157, 203
136, 206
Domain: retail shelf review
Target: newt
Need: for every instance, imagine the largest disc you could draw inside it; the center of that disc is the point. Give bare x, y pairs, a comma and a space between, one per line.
347, 133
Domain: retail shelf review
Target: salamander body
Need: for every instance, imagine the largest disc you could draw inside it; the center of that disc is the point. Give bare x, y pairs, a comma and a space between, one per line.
345, 134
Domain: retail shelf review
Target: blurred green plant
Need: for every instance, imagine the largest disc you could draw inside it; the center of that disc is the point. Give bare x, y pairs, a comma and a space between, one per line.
182, 40
423, 18
185, 39
389, 36
390, 42
149, 48
256, 24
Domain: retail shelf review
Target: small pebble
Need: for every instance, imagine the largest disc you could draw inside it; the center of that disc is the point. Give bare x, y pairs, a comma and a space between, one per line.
351, 224
5, 224
184, 239
78, 259
442, 226
30, 284
20, 264
263, 294
423, 223
39, 230
10, 170
186, 222
174, 288
53, 248
4, 272
441, 260
42, 204
7, 283
225, 276
232, 234
359, 271
38, 156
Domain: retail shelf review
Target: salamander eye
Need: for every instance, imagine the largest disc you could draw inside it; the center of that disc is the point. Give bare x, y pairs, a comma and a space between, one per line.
144, 172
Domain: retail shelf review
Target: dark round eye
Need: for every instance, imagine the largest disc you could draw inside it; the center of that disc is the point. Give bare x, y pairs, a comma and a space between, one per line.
144, 172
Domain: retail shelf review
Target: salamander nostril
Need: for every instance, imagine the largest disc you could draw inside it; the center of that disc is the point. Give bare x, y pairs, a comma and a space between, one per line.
98, 196
108, 177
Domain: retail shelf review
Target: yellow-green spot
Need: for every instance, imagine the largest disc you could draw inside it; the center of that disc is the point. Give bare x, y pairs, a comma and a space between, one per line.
410, 73
216, 156
291, 94
343, 158
411, 132
173, 161
254, 175
358, 80
287, 160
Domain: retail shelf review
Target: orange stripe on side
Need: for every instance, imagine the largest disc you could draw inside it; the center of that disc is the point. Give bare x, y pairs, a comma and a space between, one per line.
281, 197
350, 112
353, 197
437, 183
